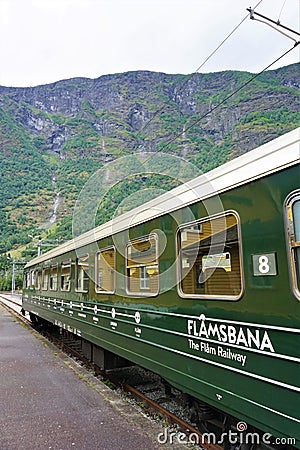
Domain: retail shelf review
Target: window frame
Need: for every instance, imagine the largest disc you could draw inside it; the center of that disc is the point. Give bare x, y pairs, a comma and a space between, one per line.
32, 279
205, 296
87, 277
291, 242
144, 278
143, 292
66, 263
45, 270
38, 279
27, 279
53, 267
102, 250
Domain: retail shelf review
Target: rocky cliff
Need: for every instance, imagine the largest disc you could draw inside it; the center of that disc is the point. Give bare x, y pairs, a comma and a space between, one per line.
68, 129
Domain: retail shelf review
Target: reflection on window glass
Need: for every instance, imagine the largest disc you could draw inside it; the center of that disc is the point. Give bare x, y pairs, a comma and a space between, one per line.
45, 276
142, 266
293, 230
145, 278
65, 276
32, 278
209, 258
105, 271
296, 221
53, 278
27, 280
82, 273
38, 279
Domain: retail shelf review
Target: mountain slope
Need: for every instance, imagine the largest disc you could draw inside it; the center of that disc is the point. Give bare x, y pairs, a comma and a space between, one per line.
53, 137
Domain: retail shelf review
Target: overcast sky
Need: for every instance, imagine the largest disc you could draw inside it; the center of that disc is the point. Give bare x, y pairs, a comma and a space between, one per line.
42, 41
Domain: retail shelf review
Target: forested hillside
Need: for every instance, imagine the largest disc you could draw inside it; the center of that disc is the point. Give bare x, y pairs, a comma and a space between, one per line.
53, 137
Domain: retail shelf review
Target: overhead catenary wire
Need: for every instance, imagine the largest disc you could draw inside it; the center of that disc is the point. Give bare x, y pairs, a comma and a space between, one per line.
272, 26
270, 22
188, 127
279, 15
161, 110
229, 96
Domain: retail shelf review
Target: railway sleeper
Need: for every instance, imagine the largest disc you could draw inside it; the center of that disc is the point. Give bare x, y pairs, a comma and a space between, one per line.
208, 420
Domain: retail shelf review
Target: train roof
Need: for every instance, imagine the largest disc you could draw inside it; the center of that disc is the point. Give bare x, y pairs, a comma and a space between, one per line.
273, 156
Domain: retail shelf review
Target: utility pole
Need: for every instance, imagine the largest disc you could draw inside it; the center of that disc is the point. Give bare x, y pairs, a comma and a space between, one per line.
39, 247
13, 279
43, 242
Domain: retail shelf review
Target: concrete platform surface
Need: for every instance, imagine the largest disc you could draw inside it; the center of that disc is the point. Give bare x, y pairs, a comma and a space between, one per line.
48, 401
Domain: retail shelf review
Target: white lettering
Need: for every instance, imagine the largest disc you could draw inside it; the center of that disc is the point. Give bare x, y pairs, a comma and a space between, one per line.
190, 326
231, 332
223, 333
251, 338
203, 331
241, 336
213, 330
266, 343
227, 353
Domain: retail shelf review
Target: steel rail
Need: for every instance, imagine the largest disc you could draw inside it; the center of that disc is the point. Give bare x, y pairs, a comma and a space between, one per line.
19, 315
151, 405
148, 404
9, 300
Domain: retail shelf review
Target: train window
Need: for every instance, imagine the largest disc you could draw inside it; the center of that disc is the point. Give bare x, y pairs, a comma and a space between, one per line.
292, 205
53, 278
65, 275
209, 264
38, 279
45, 277
32, 278
105, 271
145, 278
27, 280
142, 266
82, 273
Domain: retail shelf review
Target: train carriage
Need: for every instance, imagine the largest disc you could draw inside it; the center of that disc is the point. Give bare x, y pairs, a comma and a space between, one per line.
201, 285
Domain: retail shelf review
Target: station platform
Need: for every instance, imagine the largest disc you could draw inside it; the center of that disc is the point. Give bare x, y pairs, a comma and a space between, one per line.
48, 401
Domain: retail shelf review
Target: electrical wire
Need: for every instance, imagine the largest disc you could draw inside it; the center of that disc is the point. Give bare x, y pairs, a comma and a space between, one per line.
229, 96
161, 110
267, 21
276, 29
281, 11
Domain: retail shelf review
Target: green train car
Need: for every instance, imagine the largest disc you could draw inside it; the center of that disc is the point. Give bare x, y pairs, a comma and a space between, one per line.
200, 285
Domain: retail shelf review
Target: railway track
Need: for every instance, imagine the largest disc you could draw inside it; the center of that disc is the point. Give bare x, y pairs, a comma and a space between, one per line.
115, 379
142, 393
11, 301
